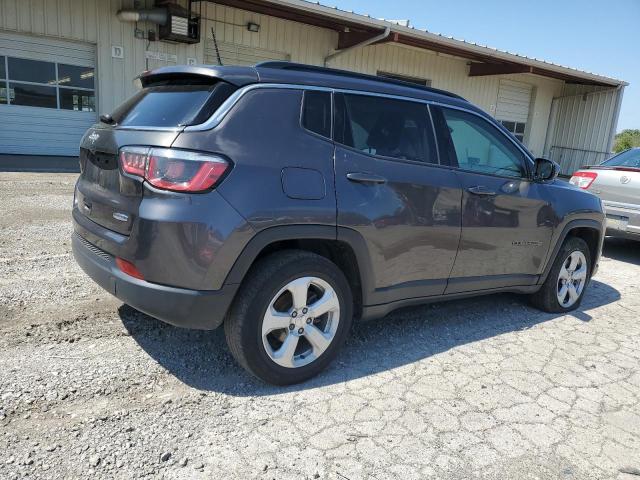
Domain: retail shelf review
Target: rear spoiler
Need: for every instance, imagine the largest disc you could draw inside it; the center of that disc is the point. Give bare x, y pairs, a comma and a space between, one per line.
237, 76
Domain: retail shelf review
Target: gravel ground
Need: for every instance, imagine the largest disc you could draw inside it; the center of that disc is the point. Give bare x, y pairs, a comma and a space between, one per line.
484, 388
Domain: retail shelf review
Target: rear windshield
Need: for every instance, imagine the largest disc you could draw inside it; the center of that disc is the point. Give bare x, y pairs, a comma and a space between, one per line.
172, 105
630, 158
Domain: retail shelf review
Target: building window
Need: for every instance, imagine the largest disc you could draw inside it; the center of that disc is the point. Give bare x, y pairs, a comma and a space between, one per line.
425, 82
36, 83
3, 80
516, 128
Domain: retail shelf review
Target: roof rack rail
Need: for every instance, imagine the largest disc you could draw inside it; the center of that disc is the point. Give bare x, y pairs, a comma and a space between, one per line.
301, 67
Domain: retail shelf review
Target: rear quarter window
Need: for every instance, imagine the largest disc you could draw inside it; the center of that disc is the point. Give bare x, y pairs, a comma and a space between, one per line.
316, 112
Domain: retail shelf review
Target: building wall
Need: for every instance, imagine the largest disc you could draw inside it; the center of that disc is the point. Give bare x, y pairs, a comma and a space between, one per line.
94, 21
582, 126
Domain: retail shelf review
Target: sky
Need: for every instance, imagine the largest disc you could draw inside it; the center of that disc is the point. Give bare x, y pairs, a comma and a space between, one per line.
597, 36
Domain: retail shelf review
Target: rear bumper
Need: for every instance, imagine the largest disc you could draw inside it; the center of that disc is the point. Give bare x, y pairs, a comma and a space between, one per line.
204, 310
622, 221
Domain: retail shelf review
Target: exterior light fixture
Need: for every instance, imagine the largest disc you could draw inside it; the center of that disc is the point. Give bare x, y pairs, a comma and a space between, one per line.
253, 27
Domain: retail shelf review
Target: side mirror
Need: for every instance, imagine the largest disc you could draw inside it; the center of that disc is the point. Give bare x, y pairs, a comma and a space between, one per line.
545, 170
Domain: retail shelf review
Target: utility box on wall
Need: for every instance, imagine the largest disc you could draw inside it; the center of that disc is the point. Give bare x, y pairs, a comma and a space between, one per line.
181, 26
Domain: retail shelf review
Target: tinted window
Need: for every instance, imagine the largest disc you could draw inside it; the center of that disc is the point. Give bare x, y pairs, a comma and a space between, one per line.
74, 76
316, 112
163, 106
32, 95
630, 158
479, 146
385, 127
32, 71
3, 72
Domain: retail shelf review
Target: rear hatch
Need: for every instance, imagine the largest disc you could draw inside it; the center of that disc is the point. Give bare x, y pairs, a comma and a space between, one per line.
104, 194
617, 185
153, 117
618, 179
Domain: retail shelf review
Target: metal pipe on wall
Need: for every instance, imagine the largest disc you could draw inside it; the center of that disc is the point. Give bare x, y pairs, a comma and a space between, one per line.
368, 41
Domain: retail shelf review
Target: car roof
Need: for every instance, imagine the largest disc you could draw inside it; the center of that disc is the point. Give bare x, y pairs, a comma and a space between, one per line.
300, 74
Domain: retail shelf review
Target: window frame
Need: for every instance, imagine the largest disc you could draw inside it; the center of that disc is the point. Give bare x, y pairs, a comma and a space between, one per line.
339, 94
5, 79
331, 113
8, 81
515, 127
526, 159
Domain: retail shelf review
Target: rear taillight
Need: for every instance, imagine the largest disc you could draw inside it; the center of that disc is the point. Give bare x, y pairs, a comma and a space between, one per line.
583, 179
134, 160
176, 170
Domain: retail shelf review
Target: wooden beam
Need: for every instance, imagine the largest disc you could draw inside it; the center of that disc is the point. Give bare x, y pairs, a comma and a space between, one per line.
351, 38
483, 69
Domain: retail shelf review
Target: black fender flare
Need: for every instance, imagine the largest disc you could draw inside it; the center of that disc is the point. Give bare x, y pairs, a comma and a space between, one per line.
564, 233
272, 235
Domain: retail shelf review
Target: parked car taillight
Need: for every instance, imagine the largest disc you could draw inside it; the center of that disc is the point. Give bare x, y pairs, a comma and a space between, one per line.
583, 179
170, 169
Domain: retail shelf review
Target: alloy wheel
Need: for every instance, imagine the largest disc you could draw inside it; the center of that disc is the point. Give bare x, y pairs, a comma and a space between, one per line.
300, 322
572, 279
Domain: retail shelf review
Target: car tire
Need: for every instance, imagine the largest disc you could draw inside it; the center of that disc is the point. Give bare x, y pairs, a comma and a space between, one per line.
560, 293
267, 299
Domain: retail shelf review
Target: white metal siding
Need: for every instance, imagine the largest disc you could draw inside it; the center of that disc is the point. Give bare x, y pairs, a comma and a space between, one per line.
43, 131
583, 123
234, 54
513, 101
94, 21
280, 38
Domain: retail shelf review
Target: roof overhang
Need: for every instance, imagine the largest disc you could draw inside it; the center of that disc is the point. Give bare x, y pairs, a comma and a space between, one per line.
353, 28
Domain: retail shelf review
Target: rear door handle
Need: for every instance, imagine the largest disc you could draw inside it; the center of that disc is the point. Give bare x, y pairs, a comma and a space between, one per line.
361, 177
481, 190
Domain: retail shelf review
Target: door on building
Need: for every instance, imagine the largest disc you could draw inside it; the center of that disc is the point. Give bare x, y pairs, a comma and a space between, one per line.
393, 191
47, 94
512, 110
506, 223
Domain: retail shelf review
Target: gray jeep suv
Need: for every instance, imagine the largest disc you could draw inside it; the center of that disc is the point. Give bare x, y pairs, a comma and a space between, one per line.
284, 200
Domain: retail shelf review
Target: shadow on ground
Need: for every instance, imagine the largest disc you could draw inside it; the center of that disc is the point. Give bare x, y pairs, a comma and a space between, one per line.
622, 249
201, 359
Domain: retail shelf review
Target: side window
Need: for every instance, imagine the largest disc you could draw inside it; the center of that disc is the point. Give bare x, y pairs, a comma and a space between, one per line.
478, 146
385, 127
316, 112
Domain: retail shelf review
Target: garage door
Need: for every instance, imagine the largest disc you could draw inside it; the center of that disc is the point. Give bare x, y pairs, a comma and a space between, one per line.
514, 99
236, 54
47, 94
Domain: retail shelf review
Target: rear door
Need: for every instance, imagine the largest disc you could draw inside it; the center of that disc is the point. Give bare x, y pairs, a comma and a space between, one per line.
506, 220
391, 189
152, 118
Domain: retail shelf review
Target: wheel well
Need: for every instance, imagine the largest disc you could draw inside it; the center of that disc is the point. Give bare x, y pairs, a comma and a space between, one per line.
338, 252
589, 235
